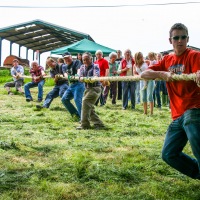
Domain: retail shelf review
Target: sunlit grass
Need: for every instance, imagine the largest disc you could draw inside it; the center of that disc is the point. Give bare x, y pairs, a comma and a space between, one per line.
43, 156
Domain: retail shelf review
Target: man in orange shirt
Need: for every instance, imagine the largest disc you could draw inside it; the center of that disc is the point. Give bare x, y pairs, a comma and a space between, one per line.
184, 102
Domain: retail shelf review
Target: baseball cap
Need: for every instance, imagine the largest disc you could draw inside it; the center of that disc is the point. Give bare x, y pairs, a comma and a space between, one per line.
66, 54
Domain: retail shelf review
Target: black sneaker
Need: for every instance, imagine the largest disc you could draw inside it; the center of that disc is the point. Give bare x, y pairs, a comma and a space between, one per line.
82, 128
99, 127
29, 99
39, 107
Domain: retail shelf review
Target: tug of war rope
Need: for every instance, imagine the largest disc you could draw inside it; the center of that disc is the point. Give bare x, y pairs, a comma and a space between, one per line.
175, 77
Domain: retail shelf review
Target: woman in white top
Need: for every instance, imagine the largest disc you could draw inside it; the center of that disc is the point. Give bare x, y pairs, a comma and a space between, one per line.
147, 92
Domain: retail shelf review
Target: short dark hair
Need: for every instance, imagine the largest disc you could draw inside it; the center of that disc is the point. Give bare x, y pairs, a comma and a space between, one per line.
178, 26
165, 53
61, 60
15, 60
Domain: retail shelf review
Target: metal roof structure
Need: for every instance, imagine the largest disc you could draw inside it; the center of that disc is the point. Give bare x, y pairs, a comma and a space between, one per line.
42, 36
39, 35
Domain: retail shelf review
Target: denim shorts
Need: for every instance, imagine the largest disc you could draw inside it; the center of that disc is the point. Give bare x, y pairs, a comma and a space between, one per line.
147, 94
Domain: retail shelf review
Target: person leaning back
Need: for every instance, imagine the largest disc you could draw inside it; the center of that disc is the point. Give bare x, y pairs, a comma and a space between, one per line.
75, 89
16, 72
61, 85
184, 102
37, 73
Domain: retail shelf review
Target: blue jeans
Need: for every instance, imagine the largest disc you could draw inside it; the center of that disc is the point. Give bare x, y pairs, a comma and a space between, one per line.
101, 98
75, 91
29, 85
137, 92
163, 87
185, 128
156, 93
58, 90
126, 87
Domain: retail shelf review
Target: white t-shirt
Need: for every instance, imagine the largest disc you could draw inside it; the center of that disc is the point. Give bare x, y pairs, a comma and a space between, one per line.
140, 69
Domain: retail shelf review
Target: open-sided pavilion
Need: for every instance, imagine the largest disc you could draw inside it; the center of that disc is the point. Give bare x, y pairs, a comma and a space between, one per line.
39, 36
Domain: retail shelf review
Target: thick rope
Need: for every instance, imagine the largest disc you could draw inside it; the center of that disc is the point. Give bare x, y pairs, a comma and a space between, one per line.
175, 77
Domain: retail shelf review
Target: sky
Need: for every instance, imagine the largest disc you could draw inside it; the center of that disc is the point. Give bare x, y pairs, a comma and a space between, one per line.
136, 24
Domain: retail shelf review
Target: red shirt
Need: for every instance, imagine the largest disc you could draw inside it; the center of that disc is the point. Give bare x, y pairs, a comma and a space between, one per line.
36, 72
103, 65
183, 95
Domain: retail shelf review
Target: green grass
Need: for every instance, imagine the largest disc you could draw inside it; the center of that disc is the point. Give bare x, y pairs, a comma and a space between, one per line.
5, 77
44, 157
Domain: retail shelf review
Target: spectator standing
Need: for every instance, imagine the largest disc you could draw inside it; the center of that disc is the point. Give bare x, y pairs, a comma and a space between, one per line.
79, 57
104, 71
147, 92
119, 84
163, 88
126, 69
60, 62
154, 58
113, 68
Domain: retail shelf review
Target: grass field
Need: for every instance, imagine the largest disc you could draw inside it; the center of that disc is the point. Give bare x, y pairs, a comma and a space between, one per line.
44, 157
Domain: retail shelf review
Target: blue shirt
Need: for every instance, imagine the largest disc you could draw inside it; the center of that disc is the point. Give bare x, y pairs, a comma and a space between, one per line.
15, 70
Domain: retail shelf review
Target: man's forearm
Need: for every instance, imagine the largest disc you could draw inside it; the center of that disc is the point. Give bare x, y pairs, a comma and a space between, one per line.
150, 74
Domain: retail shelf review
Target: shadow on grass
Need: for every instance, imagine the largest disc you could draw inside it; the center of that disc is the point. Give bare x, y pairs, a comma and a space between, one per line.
57, 108
7, 146
9, 180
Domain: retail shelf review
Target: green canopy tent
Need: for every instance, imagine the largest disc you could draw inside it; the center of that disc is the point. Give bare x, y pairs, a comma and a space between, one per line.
83, 46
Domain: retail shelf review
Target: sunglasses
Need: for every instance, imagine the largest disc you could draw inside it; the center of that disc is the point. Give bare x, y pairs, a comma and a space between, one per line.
182, 37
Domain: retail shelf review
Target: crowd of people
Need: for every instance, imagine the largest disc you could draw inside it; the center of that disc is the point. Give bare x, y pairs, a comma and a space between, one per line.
116, 65
183, 96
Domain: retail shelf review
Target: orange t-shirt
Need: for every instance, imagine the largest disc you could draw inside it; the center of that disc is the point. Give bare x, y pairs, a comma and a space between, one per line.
183, 95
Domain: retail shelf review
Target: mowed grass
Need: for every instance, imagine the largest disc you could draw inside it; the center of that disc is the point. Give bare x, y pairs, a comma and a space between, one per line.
44, 157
